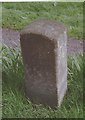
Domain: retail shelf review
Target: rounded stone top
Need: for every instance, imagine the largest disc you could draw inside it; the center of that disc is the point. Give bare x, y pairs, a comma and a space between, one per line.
48, 28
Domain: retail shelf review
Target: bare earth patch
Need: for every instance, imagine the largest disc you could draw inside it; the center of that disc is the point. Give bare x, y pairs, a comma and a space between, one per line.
12, 39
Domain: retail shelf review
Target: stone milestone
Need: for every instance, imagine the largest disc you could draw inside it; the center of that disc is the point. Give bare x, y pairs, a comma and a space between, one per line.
44, 52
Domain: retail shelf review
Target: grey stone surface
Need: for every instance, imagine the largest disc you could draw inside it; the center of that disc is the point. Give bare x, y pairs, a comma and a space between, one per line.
11, 38
44, 51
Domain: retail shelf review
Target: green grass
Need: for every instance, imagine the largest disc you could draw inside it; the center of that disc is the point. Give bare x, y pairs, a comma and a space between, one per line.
0, 14
15, 104
0, 81
17, 15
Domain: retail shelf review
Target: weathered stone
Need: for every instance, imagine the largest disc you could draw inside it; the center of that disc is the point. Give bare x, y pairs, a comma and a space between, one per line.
44, 51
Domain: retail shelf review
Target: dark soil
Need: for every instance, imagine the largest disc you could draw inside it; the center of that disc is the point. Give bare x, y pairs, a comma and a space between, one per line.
12, 39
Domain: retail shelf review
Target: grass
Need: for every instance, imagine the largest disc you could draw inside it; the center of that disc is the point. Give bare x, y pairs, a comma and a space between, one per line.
0, 14
15, 104
0, 81
19, 14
